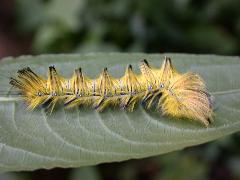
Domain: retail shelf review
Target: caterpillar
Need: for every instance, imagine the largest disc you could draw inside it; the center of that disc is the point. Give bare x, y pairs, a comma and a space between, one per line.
170, 92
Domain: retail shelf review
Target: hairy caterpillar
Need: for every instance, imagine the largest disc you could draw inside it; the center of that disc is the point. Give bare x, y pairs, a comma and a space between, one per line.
177, 95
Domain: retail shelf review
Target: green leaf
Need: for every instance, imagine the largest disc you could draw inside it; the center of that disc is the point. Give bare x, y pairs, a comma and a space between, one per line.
81, 136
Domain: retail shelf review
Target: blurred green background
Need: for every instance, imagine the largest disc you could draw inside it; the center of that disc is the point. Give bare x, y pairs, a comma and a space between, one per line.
153, 26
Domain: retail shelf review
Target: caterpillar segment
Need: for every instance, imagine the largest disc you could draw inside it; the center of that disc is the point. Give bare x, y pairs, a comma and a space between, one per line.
172, 93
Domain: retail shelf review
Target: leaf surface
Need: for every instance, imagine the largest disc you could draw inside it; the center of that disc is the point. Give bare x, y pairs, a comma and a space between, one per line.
79, 137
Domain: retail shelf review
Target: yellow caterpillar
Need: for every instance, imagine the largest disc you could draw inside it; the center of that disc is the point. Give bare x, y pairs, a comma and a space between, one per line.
177, 95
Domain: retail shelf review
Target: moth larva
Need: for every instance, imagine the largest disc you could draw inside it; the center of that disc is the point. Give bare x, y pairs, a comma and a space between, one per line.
177, 95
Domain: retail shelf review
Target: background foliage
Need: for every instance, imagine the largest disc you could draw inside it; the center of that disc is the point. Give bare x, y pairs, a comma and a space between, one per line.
192, 26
